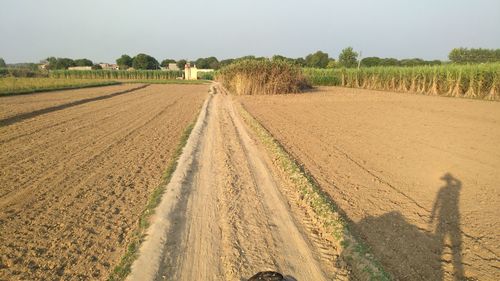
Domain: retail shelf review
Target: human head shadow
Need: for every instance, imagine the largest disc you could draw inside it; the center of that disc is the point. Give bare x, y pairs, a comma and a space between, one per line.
412, 253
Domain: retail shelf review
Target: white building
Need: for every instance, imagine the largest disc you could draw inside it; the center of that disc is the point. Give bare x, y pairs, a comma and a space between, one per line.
80, 68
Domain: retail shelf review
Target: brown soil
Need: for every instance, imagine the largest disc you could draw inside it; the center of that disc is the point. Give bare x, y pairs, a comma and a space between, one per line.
20, 104
224, 215
74, 181
417, 175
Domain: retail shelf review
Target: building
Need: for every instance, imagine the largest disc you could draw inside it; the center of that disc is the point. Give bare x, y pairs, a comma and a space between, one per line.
172, 66
80, 68
109, 66
190, 73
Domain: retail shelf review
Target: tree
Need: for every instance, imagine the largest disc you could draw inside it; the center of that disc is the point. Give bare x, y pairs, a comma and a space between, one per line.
348, 58
124, 62
165, 62
300, 62
331, 64
143, 61
412, 62
60, 63
318, 60
207, 63
465, 55
225, 62
389, 62
211, 63
83, 62
2, 63
96, 67
370, 61
181, 64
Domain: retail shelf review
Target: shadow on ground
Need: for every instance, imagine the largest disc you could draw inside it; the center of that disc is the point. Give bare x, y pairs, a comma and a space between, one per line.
411, 253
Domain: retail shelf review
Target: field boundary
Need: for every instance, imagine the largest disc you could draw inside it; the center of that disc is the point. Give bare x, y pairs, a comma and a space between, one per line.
59, 88
352, 251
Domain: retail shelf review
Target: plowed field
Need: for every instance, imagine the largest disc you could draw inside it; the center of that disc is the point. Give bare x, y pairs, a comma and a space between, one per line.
77, 168
417, 175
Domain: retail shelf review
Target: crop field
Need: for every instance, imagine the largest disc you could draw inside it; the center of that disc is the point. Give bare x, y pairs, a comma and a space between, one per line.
416, 176
12, 85
78, 168
477, 81
117, 74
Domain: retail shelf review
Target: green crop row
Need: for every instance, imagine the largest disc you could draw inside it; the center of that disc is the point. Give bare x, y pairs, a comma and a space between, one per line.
480, 81
14, 85
117, 74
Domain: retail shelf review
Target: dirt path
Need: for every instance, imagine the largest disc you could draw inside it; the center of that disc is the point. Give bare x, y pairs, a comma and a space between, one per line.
74, 182
223, 216
417, 175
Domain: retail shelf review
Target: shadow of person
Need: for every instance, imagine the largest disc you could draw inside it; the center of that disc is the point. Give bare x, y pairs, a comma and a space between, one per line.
446, 212
411, 252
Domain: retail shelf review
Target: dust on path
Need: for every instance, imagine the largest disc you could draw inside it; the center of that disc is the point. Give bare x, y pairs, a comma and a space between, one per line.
417, 175
223, 216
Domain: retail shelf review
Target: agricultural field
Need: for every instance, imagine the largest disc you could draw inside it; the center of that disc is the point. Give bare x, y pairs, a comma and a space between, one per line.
13, 85
76, 176
476, 81
416, 176
117, 74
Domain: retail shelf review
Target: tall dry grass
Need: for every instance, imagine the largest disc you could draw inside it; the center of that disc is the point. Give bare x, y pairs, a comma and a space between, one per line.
262, 77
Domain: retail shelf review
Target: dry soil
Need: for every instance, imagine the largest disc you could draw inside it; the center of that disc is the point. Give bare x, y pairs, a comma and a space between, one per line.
418, 176
74, 180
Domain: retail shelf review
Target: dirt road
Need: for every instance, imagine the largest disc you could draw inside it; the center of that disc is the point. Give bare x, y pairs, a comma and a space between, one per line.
74, 181
417, 175
223, 216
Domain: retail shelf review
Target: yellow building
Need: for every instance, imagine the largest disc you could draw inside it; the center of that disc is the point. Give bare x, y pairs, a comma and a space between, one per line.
190, 73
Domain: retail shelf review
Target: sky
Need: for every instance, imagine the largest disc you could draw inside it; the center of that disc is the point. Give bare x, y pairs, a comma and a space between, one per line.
103, 30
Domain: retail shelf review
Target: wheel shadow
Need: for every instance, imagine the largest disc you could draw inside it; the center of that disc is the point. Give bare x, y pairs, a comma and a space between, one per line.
412, 253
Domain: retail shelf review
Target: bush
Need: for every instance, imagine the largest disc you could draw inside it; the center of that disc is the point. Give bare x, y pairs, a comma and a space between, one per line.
262, 77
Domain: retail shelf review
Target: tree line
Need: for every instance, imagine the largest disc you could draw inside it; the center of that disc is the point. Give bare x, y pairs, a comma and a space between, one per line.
54, 63
465, 55
347, 58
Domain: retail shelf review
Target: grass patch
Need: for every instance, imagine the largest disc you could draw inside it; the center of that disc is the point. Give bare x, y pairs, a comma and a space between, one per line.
19, 86
123, 268
354, 252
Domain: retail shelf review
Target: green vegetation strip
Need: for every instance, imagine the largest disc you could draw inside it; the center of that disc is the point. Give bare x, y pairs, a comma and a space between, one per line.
123, 268
476, 81
22, 86
353, 252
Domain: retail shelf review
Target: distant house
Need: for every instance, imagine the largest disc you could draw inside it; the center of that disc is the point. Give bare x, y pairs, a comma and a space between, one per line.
80, 68
109, 66
190, 73
172, 66
43, 65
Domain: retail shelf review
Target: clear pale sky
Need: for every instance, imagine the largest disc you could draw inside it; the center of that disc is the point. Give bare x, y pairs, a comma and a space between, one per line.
102, 30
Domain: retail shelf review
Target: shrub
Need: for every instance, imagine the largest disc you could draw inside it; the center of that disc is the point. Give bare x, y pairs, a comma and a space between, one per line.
262, 77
